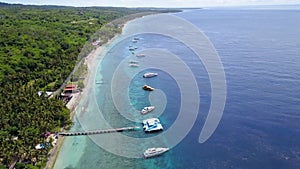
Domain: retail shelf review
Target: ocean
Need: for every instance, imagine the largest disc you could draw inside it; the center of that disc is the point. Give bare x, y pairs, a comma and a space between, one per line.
258, 52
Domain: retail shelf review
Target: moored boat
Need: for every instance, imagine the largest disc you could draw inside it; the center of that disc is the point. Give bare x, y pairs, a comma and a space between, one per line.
149, 74
133, 65
148, 109
152, 125
140, 55
148, 88
131, 48
133, 61
151, 152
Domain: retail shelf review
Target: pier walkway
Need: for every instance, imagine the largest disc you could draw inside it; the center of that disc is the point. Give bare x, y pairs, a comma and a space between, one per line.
99, 131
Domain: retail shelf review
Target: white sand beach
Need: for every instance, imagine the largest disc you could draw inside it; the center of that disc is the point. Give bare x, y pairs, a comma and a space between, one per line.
91, 61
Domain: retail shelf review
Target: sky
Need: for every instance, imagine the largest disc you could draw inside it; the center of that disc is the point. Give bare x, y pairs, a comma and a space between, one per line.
154, 3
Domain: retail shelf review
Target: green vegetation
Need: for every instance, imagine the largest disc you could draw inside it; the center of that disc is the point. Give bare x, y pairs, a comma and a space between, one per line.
43, 43
81, 71
39, 48
25, 116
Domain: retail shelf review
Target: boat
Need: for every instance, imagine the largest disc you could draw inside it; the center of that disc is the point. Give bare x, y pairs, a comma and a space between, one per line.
152, 125
149, 74
148, 88
131, 48
140, 55
133, 61
133, 65
151, 152
148, 109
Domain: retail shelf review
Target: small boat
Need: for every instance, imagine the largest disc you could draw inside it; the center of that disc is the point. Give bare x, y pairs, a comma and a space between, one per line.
131, 48
99, 82
133, 61
134, 41
148, 88
140, 55
134, 65
146, 110
149, 74
151, 152
136, 38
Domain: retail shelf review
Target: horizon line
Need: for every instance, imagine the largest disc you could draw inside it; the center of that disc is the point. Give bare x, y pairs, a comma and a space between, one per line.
161, 7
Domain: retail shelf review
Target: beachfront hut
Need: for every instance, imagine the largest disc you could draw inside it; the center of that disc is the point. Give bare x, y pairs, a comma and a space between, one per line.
70, 88
67, 94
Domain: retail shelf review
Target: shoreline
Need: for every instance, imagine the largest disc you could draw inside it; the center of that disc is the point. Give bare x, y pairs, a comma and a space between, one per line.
73, 103
91, 61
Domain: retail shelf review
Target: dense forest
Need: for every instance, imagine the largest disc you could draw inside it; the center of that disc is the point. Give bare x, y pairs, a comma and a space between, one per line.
39, 47
43, 43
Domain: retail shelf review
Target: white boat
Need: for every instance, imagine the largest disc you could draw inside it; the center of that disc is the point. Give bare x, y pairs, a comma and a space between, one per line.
134, 41
133, 61
148, 109
152, 124
131, 48
151, 152
149, 74
134, 65
140, 55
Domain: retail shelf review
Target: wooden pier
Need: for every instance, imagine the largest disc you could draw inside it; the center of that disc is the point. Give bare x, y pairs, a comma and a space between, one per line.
99, 131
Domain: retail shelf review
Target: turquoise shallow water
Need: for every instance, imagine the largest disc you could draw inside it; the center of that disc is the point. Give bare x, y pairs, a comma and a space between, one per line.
83, 152
259, 50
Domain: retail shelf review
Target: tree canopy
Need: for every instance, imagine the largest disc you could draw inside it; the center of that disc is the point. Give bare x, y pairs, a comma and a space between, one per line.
39, 47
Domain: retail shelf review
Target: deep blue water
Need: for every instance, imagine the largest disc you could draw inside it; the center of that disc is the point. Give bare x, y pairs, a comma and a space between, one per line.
260, 52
